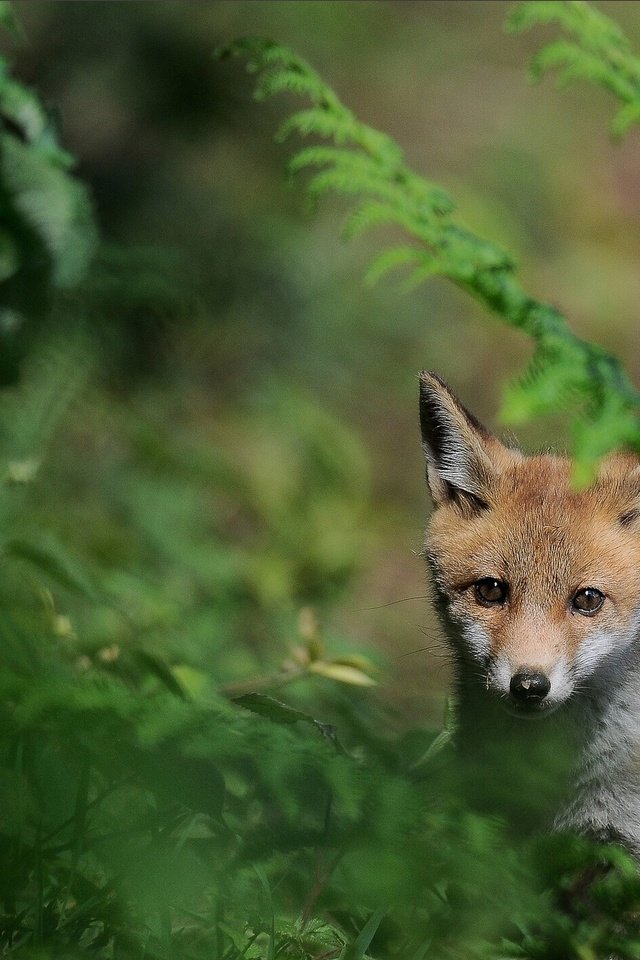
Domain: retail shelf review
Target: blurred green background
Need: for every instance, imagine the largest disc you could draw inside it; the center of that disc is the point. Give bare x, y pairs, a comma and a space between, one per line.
243, 444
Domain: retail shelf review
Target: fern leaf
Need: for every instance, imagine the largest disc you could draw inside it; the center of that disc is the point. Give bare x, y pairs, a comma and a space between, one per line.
391, 260
599, 51
380, 145
320, 121
374, 213
561, 53
575, 16
353, 163
346, 179
288, 79
317, 156
575, 63
527, 15
624, 119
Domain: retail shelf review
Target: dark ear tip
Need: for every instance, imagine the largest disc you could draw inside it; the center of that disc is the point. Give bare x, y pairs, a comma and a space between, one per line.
432, 387
437, 397
430, 380
429, 376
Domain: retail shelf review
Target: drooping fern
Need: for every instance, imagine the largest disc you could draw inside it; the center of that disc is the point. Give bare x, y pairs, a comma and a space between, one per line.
599, 52
565, 371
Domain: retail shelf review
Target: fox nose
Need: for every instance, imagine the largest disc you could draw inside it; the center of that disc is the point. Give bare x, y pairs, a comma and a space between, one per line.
529, 686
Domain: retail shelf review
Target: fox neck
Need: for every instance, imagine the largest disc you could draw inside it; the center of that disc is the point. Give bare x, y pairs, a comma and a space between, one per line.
605, 798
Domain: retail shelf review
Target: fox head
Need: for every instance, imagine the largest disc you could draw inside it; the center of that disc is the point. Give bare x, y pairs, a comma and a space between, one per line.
539, 581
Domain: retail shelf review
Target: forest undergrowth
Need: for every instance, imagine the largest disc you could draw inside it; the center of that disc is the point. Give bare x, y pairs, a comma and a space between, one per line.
167, 791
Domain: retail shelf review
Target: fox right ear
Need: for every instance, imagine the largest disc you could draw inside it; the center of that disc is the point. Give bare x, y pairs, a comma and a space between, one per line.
456, 445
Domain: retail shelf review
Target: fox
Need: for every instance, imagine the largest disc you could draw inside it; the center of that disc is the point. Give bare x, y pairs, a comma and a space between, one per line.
537, 585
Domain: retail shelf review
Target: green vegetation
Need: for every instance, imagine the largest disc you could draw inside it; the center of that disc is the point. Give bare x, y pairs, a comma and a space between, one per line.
194, 761
565, 371
600, 53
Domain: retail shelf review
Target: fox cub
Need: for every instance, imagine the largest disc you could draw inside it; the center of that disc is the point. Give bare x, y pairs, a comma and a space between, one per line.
538, 586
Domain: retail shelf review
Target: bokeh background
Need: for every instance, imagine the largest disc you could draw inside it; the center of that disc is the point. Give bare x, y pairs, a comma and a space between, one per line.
244, 445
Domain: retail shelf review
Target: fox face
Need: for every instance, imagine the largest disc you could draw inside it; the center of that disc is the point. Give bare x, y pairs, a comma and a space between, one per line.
539, 582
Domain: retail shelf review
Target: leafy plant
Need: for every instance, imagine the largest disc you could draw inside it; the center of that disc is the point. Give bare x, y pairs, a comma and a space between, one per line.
48, 234
565, 372
600, 52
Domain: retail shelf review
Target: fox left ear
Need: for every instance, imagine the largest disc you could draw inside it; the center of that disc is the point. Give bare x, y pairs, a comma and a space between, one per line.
458, 449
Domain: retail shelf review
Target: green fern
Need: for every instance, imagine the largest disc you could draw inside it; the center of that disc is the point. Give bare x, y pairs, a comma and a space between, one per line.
599, 52
48, 234
361, 162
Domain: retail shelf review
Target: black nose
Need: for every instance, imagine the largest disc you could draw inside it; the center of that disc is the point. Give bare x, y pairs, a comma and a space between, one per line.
529, 687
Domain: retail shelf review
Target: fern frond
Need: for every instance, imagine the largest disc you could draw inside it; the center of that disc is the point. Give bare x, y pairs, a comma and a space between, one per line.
599, 51
294, 81
315, 157
361, 162
320, 121
352, 179
373, 214
359, 166
262, 54
561, 55
576, 16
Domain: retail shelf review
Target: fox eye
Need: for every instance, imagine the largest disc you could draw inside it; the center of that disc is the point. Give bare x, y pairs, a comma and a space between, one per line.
490, 592
587, 601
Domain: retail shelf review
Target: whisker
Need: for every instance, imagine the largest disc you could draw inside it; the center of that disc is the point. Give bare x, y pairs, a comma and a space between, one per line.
435, 650
381, 606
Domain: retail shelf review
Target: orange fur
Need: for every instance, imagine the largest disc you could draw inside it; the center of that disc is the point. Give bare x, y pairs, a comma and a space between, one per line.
546, 540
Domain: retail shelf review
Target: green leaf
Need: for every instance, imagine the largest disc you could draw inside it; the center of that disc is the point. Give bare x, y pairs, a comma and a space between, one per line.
320, 121
272, 709
443, 740
282, 713
343, 673
391, 260
264, 883
287, 79
45, 558
53, 207
359, 947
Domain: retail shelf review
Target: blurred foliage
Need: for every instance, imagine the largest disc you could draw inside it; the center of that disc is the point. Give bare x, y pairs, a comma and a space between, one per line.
48, 233
194, 760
